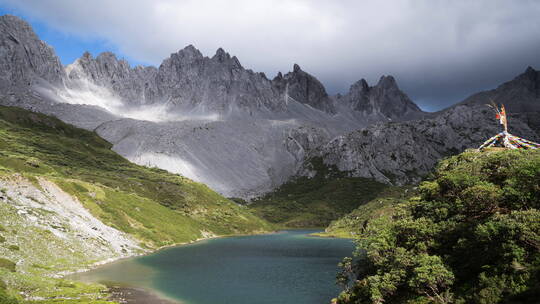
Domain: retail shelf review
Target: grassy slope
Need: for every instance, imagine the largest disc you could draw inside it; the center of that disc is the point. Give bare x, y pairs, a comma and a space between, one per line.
384, 204
157, 207
315, 202
82, 163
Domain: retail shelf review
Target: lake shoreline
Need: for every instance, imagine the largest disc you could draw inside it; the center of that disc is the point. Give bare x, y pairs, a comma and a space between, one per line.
137, 295
237, 269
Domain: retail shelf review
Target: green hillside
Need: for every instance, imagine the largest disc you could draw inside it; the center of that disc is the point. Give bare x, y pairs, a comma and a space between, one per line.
316, 201
383, 204
156, 207
471, 235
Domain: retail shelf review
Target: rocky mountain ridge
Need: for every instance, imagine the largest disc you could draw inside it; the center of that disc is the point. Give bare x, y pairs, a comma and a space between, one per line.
385, 99
151, 113
404, 152
22, 63
241, 133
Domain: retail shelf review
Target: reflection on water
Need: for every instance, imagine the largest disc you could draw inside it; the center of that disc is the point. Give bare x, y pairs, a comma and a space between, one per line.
287, 267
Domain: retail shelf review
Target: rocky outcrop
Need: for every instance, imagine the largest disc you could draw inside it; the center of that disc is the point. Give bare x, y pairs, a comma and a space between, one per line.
133, 85
51, 225
384, 100
304, 88
191, 82
25, 60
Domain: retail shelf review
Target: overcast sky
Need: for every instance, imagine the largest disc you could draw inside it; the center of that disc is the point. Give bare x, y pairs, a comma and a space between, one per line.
439, 51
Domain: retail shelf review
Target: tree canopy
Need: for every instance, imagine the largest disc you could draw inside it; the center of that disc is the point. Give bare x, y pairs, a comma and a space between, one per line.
471, 235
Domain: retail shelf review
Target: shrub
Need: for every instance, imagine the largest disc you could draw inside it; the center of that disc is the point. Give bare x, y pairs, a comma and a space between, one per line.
65, 284
6, 299
7, 264
14, 247
472, 236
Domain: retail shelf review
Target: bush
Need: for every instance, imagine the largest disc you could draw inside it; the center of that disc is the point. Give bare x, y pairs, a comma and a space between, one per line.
2, 239
7, 264
6, 299
14, 247
65, 284
472, 236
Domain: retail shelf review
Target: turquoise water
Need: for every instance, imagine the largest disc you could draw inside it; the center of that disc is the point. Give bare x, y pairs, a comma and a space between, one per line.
287, 267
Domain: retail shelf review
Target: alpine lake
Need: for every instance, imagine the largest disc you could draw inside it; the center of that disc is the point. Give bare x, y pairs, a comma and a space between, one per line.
288, 267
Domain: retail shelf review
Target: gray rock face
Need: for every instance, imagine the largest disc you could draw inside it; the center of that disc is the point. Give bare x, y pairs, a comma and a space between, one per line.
24, 59
186, 82
384, 99
241, 158
190, 82
405, 152
133, 85
304, 88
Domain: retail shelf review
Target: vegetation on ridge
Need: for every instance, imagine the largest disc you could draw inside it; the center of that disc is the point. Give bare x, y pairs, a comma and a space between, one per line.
472, 235
316, 201
383, 204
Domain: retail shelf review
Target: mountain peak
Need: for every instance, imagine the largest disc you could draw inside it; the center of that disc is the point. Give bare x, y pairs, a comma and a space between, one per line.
305, 88
360, 85
220, 52
221, 55
528, 80
190, 48
108, 55
13, 21
387, 82
190, 52
25, 58
87, 55
531, 74
384, 98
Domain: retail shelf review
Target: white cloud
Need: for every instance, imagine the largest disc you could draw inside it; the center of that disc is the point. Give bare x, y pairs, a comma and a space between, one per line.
432, 46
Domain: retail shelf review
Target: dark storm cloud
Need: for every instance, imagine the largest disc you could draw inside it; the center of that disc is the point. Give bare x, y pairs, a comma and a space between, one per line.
439, 51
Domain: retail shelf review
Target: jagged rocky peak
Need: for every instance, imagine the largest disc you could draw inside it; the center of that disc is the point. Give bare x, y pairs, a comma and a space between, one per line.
133, 85
187, 54
100, 69
388, 82
521, 94
225, 58
530, 79
304, 88
217, 84
191, 58
25, 60
385, 98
